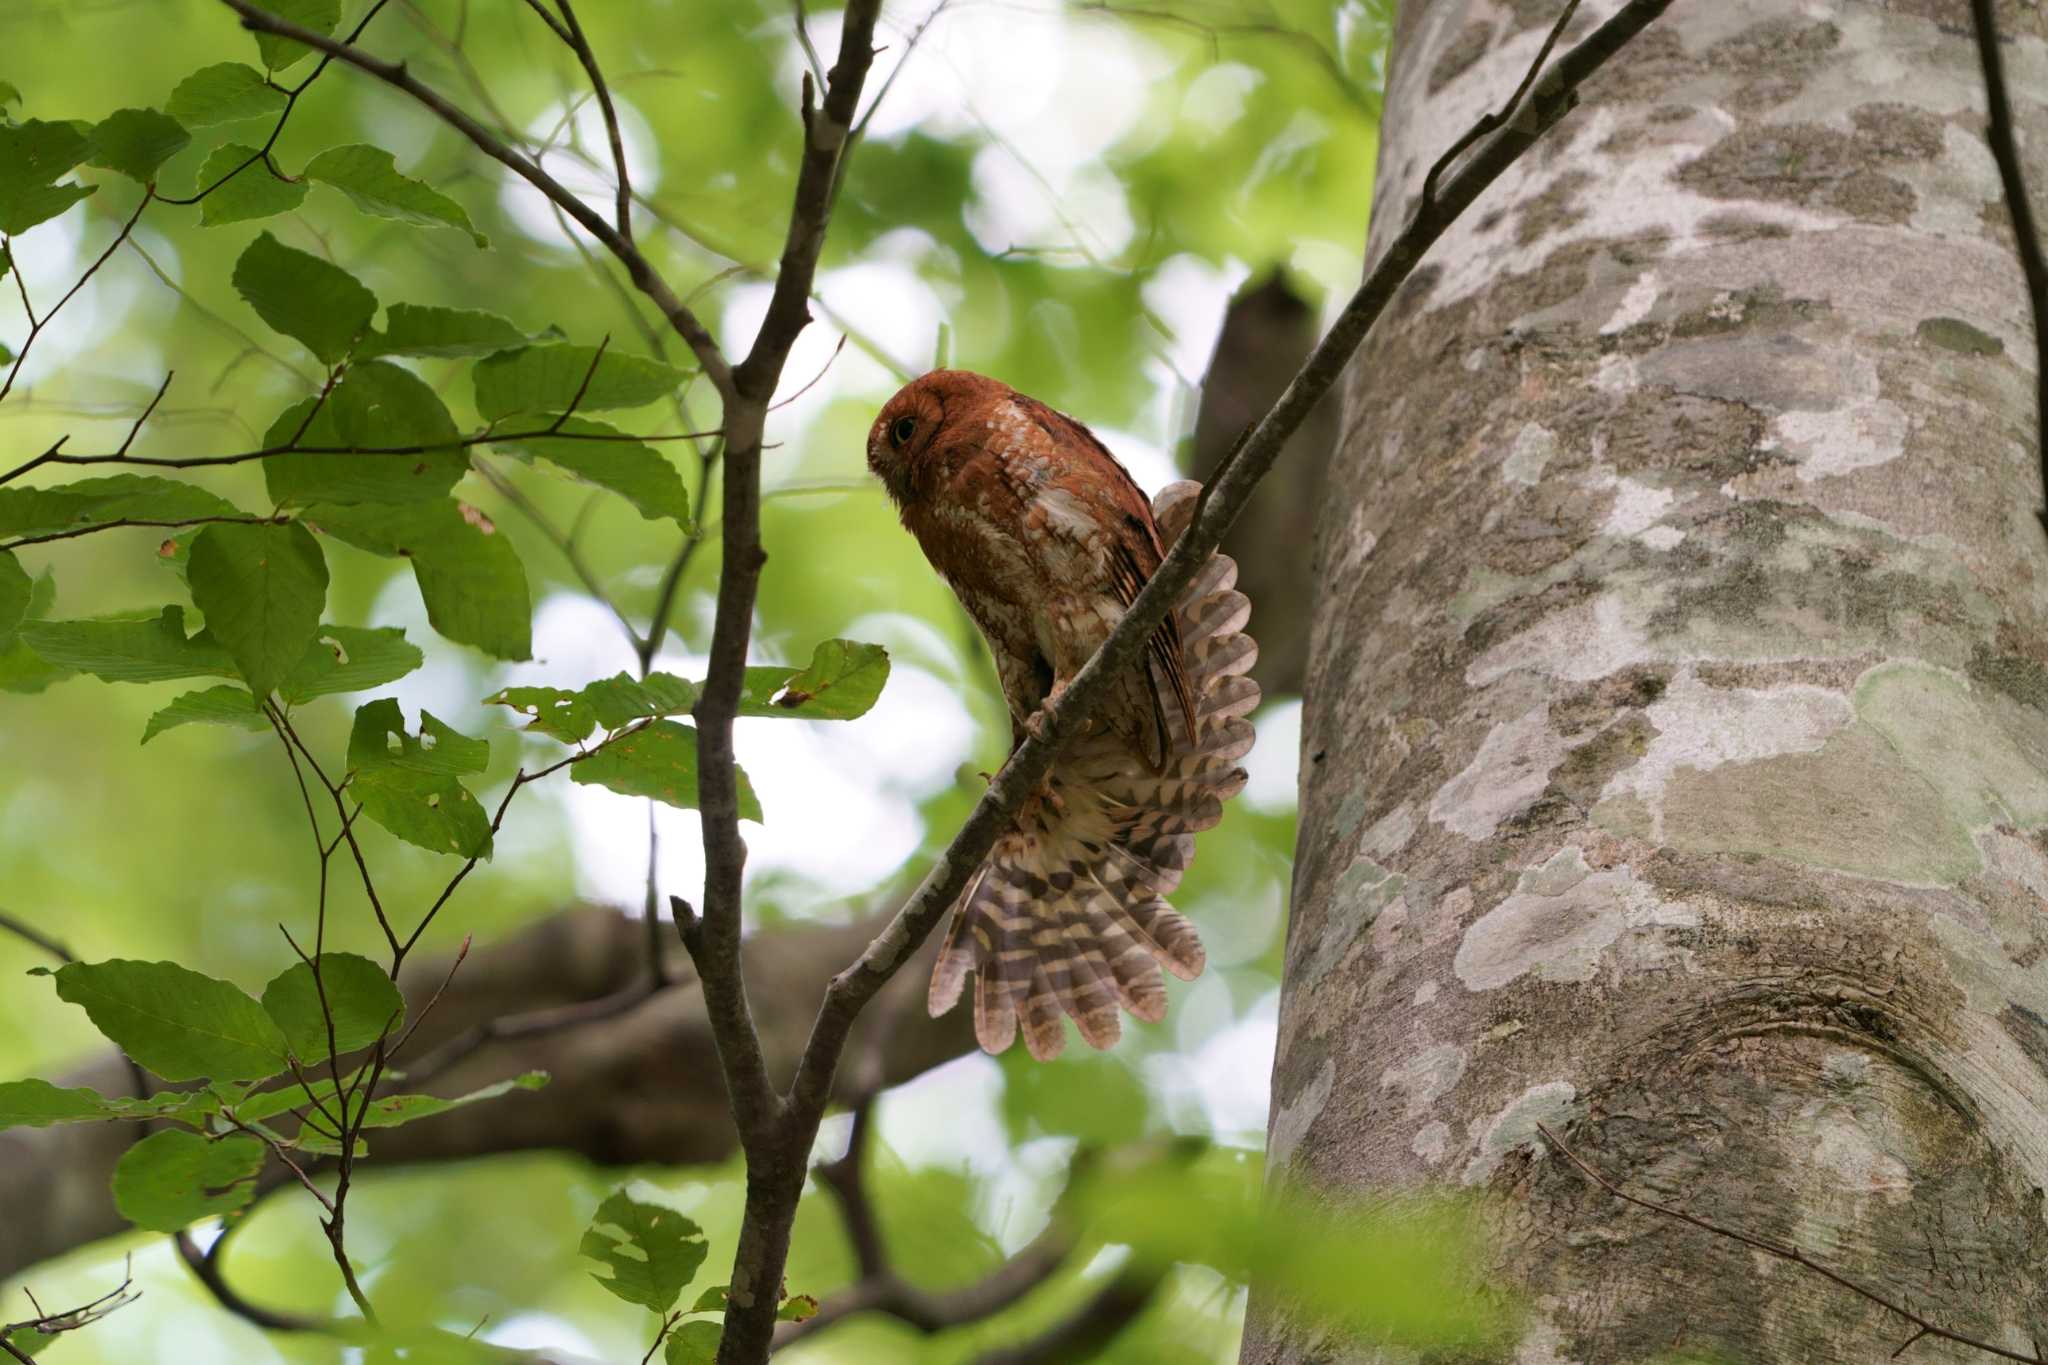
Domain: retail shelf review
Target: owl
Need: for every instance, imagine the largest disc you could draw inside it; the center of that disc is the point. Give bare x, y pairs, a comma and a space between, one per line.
1046, 541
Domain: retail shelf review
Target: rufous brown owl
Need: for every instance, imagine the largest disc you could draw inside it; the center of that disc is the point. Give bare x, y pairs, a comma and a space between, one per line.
1046, 540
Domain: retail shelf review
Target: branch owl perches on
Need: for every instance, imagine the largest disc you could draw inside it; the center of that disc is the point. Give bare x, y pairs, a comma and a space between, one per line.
1046, 540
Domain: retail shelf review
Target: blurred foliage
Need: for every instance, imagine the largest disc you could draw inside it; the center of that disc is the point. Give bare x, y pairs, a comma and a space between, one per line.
1059, 195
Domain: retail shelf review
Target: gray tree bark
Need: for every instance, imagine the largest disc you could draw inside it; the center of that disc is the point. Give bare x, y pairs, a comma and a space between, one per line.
1675, 765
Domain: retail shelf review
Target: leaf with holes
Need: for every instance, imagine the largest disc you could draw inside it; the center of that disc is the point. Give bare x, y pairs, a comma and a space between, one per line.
370, 177
174, 1178
262, 588
843, 681
179, 1024
408, 783
307, 299
350, 659
565, 716
352, 995
650, 1251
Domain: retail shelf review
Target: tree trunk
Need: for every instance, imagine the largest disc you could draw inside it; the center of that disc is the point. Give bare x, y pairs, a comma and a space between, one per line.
1675, 766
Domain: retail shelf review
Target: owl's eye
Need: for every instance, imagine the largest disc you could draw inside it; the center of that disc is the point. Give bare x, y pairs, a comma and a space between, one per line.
903, 429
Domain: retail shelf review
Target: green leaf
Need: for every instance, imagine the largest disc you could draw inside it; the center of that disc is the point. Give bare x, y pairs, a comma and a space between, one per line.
622, 699
651, 1251
181, 1025
8, 94
135, 142
174, 1178
636, 471
350, 659
106, 502
360, 1000
33, 154
393, 1111
469, 576
310, 300
16, 588
318, 15
369, 175
375, 407
154, 649
21, 668
29, 1341
254, 191
223, 93
565, 716
797, 1308
415, 329
226, 705
712, 1300
543, 379
38, 1104
408, 783
843, 681
693, 1343
262, 588
659, 761
268, 1104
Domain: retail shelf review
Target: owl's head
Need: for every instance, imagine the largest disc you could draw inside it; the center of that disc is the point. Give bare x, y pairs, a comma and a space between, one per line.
906, 442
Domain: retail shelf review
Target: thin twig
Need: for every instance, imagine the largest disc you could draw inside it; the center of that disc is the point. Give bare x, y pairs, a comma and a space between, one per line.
37, 324
1785, 1253
2026, 238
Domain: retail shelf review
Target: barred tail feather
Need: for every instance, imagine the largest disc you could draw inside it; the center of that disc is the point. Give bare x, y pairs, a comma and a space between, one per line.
1068, 917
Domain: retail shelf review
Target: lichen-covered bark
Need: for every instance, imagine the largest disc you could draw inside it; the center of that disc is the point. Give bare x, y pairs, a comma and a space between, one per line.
1675, 768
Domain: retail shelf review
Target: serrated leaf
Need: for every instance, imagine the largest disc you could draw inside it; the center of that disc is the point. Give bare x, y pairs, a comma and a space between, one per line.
375, 407
693, 1343
408, 784
392, 1111
33, 154
134, 142
565, 716
469, 576
239, 187
635, 471
369, 176
651, 1251
262, 589
350, 659
226, 705
658, 761
176, 1022
174, 1178
622, 698
16, 588
360, 1001
223, 93
416, 329
546, 379
318, 15
105, 502
310, 300
155, 649
844, 679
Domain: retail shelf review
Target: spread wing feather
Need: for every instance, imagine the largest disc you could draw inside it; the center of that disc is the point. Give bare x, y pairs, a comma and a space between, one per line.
1067, 916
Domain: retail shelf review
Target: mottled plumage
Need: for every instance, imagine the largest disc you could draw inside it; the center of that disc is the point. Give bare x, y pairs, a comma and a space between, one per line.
1046, 541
